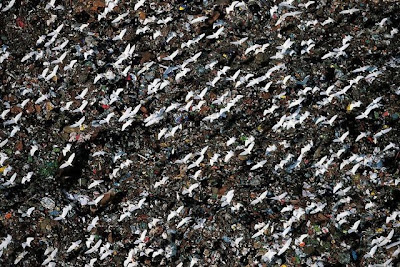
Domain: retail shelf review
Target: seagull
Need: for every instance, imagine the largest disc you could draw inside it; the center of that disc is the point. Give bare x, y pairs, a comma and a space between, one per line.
64, 213
240, 42
93, 224
95, 247
349, 11
97, 200
27, 243
247, 151
231, 141
228, 156
11, 181
95, 183
190, 189
172, 56
27, 177
226, 199
107, 119
371, 253
78, 123
82, 94
174, 213
354, 227
285, 247
327, 21
216, 34
331, 120
74, 246
183, 221
341, 139
198, 19
306, 5
126, 124
68, 162
34, 148
120, 35
138, 4
9, 6
258, 165
82, 107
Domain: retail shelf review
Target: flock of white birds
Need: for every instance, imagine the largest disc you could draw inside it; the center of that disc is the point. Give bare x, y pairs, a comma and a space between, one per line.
223, 95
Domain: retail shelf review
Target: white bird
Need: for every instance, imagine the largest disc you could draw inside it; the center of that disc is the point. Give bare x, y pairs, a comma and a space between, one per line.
247, 151
96, 201
214, 159
216, 34
349, 11
285, 246
20, 257
193, 261
337, 187
190, 189
258, 165
11, 181
163, 181
354, 169
120, 35
107, 119
360, 136
74, 246
174, 213
382, 132
78, 123
341, 139
230, 141
202, 94
67, 106
82, 107
4, 114
354, 227
260, 198
126, 124
285, 46
331, 120
183, 222
230, 8
68, 162
60, 47
66, 149
120, 17
34, 148
9, 6
27, 243
328, 55
52, 74
306, 5
327, 21
228, 156
172, 56
241, 41
269, 255
198, 19
95, 183
94, 248
64, 213
82, 94
26, 178
389, 146
371, 253
226, 199
138, 4
93, 224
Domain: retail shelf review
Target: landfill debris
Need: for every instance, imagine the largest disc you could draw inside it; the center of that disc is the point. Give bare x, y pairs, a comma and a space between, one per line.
199, 133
